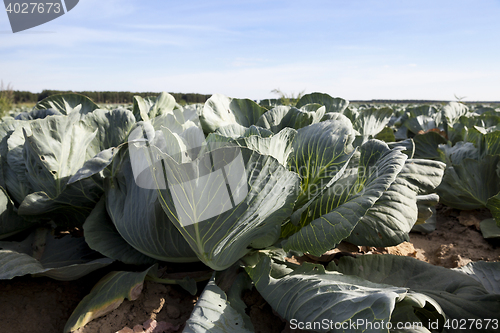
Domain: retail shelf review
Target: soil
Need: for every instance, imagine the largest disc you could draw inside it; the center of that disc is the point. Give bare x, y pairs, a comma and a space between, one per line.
41, 305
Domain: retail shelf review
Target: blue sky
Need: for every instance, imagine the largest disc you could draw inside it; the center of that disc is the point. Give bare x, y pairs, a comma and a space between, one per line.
352, 49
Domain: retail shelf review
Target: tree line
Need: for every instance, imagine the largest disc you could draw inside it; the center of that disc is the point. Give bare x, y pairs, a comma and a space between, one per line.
105, 97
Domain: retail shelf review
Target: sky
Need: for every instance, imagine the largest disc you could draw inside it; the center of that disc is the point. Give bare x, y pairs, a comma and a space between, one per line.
358, 50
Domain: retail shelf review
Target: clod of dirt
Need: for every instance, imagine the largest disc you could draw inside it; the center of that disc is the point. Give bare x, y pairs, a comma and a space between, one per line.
173, 311
468, 218
138, 329
447, 255
126, 330
404, 249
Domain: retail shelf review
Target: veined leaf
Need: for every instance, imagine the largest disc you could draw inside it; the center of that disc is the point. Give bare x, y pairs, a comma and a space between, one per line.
487, 273
279, 145
453, 111
220, 111
319, 153
493, 204
228, 200
112, 128
493, 143
236, 131
386, 135
106, 296
456, 154
426, 146
392, 217
333, 217
459, 296
139, 219
283, 116
95, 165
53, 152
67, 103
420, 124
13, 165
148, 108
370, 122
214, 312
102, 236
470, 184
337, 104
320, 296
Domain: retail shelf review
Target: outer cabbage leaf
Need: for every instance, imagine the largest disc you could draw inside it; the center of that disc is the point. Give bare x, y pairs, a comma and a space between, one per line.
370, 122
493, 204
320, 297
220, 224
459, 296
112, 128
220, 110
392, 217
236, 130
319, 153
488, 273
336, 213
53, 151
102, 236
426, 146
420, 124
64, 259
456, 154
386, 135
106, 296
489, 228
453, 111
37, 114
279, 145
332, 104
493, 143
427, 220
95, 165
139, 219
148, 108
7, 126
470, 184
422, 176
67, 103
10, 222
407, 145
13, 166
214, 312
288, 116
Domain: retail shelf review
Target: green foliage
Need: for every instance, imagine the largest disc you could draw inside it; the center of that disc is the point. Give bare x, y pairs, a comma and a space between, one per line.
233, 184
287, 99
6, 99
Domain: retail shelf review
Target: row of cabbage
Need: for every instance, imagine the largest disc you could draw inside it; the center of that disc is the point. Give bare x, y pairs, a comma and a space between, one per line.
314, 174
467, 139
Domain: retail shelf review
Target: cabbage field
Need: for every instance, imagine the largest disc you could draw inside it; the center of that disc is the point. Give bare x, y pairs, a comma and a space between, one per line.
234, 196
